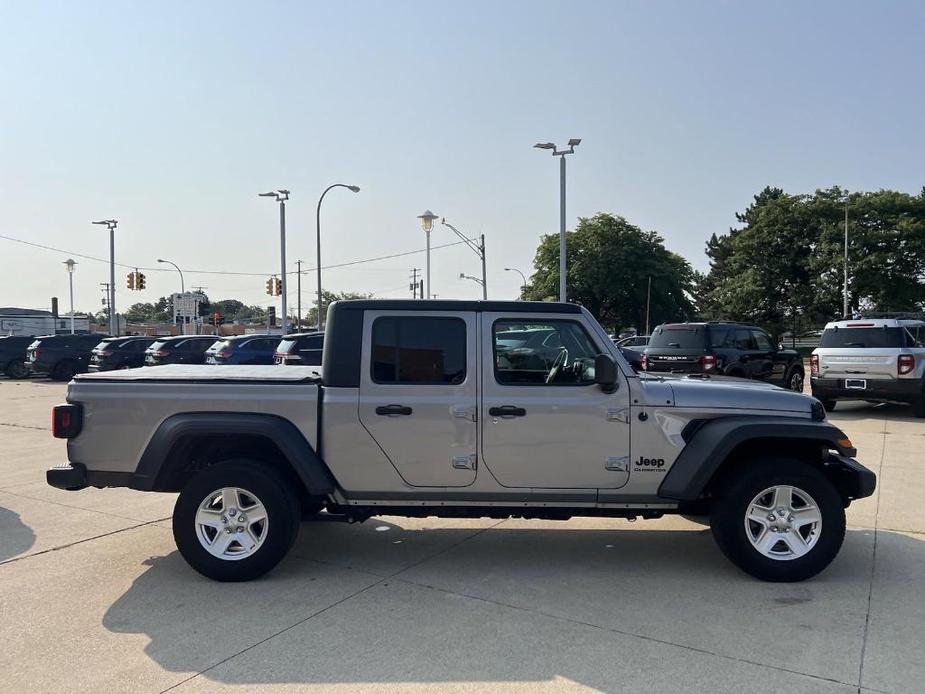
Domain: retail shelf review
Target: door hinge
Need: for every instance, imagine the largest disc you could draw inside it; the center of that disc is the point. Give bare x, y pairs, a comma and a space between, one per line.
465, 462
621, 414
617, 463
466, 413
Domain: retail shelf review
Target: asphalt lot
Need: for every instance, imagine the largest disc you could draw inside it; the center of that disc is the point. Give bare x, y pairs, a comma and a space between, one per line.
94, 596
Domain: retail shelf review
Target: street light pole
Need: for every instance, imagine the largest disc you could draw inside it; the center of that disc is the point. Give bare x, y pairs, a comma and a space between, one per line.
298, 310
427, 224
355, 189
477, 248
845, 313
168, 262
111, 224
523, 287
572, 144
70, 263
464, 276
281, 197
648, 302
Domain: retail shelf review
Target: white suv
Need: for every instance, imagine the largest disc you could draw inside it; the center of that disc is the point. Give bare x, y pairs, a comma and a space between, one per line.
873, 359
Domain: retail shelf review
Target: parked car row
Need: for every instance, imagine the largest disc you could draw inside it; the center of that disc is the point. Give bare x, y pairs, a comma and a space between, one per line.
62, 356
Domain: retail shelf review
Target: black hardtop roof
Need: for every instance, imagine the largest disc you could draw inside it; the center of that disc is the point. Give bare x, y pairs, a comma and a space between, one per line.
455, 305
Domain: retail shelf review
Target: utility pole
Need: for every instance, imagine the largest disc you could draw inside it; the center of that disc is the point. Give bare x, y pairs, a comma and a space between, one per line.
104, 287
414, 282
111, 224
298, 309
845, 313
648, 302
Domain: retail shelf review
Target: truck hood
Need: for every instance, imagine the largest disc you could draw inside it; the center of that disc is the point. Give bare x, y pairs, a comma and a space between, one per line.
733, 393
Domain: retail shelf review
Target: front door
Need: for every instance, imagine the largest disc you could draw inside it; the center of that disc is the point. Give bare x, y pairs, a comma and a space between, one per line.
545, 424
418, 394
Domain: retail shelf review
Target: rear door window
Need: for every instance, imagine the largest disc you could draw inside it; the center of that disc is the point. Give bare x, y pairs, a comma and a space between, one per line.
408, 349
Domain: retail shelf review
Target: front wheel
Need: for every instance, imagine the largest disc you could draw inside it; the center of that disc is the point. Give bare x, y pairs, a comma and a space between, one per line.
795, 381
235, 520
779, 519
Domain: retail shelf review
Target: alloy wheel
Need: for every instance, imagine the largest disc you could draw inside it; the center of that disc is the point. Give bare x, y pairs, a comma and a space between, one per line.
231, 523
783, 522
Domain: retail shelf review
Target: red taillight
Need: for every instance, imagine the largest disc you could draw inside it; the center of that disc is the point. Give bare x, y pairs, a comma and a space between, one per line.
905, 364
814, 364
36, 353
223, 354
158, 354
644, 362
708, 362
105, 353
66, 421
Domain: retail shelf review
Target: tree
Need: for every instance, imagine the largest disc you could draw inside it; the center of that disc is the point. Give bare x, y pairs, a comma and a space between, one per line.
783, 268
311, 319
140, 313
609, 265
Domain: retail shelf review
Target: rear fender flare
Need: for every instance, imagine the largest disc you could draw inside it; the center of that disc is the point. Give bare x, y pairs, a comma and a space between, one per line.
155, 466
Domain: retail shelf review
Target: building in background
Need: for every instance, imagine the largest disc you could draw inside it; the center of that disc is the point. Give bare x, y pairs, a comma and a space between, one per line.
30, 321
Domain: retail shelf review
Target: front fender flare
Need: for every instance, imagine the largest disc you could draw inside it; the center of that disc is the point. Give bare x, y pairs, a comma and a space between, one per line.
713, 441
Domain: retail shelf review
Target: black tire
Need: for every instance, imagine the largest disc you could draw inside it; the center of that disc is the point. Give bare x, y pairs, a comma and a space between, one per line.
64, 370
273, 491
828, 405
918, 407
749, 479
795, 380
16, 369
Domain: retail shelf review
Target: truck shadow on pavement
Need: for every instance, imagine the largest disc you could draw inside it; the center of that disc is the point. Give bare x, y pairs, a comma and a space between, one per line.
384, 603
15, 536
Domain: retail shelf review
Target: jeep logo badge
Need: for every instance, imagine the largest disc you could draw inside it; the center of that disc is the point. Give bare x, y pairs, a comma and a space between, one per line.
649, 462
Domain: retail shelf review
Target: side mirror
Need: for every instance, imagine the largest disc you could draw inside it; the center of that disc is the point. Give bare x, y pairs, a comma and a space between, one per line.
780, 347
605, 372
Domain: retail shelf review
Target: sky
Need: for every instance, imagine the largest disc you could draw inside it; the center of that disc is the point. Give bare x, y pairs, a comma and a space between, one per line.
171, 116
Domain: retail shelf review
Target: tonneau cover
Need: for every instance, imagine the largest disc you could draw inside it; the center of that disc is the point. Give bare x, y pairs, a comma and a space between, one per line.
202, 373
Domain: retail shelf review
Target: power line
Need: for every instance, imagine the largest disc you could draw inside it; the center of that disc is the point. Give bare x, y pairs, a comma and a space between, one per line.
230, 272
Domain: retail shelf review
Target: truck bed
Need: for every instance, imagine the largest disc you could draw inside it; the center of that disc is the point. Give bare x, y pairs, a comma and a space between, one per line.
198, 373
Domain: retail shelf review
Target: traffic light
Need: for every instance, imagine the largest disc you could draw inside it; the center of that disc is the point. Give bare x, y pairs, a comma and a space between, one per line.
277, 286
270, 286
271, 315
139, 280
131, 280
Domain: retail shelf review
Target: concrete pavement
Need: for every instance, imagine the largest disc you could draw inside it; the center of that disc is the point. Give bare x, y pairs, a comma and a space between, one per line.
94, 596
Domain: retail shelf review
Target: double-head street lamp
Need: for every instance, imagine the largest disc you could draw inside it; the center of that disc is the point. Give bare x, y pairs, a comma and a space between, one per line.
523, 287
355, 189
478, 248
281, 197
70, 262
427, 223
111, 224
556, 152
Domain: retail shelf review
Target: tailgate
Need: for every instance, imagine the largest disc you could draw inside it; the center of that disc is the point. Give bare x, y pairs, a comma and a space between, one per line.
848, 363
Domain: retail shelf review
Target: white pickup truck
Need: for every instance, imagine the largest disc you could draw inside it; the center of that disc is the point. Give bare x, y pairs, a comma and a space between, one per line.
462, 409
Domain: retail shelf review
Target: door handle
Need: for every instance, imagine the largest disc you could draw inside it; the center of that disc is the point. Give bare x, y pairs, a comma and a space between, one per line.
507, 411
392, 410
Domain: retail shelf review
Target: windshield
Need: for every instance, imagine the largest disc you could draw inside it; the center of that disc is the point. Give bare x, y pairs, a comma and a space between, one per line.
102, 345
285, 346
865, 337
678, 337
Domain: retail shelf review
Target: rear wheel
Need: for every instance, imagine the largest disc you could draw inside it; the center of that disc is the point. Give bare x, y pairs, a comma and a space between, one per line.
779, 519
64, 370
16, 369
235, 520
795, 381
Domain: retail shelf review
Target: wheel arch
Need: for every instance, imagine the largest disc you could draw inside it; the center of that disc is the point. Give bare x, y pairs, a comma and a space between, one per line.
717, 446
186, 443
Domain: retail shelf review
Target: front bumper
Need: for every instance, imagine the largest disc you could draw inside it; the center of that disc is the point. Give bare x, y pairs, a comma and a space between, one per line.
889, 390
853, 479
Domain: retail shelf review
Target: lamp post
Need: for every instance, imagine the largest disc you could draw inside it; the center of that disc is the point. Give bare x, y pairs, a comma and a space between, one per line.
556, 152
355, 189
281, 197
427, 224
168, 262
464, 276
70, 263
111, 224
523, 287
478, 249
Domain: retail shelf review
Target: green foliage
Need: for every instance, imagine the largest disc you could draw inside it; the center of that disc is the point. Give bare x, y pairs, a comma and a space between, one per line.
327, 298
783, 268
609, 264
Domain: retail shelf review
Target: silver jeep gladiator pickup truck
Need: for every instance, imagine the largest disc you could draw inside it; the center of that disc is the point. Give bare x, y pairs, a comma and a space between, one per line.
462, 409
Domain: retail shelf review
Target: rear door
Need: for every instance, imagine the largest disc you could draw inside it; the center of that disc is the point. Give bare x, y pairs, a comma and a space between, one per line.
861, 351
418, 393
764, 364
676, 347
